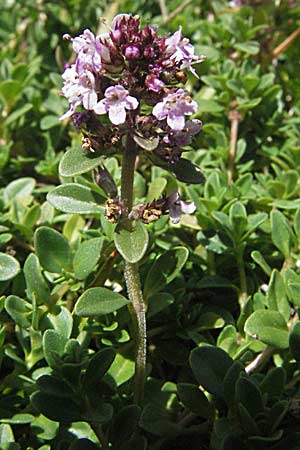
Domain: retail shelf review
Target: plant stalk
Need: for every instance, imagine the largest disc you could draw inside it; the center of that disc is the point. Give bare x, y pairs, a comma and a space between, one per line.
137, 307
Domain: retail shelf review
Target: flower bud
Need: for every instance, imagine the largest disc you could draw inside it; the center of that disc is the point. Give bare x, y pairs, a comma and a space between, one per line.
132, 52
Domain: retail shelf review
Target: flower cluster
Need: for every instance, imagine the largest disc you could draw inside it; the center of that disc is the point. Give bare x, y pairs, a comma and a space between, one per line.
124, 71
129, 82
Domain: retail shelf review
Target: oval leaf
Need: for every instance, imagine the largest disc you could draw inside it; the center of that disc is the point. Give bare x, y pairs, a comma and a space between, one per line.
132, 245
75, 162
209, 365
52, 249
86, 257
9, 267
76, 199
98, 301
165, 269
268, 326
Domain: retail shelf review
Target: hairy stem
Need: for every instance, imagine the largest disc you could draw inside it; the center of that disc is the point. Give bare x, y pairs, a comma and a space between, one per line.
243, 281
235, 119
137, 307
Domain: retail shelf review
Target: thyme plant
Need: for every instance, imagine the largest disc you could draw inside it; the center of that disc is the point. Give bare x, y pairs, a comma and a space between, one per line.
129, 84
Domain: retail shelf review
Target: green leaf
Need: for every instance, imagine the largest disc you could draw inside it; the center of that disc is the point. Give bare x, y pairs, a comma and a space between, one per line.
61, 320
249, 395
274, 382
268, 326
247, 422
165, 269
276, 295
75, 162
250, 47
9, 267
19, 189
86, 257
52, 385
121, 370
49, 121
98, 301
52, 250
76, 199
57, 408
98, 366
156, 420
186, 171
125, 424
148, 144
280, 233
194, 399
158, 302
132, 245
295, 341
156, 188
18, 310
54, 346
37, 288
260, 260
231, 377
209, 365
6, 434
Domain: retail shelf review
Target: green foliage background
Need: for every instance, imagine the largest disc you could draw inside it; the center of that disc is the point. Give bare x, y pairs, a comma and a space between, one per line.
223, 287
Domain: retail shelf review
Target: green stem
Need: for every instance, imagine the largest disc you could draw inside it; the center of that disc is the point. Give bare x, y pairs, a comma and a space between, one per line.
132, 278
242, 274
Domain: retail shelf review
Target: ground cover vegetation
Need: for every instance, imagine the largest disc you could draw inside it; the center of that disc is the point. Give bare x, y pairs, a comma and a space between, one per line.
149, 225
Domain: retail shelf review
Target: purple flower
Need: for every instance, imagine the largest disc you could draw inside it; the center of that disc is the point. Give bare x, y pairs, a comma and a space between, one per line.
116, 102
183, 137
181, 51
176, 207
79, 90
154, 83
88, 49
174, 107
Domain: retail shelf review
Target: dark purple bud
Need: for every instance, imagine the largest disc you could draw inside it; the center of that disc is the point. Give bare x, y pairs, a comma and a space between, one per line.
104, 179
116, 36
132, 52
149, 52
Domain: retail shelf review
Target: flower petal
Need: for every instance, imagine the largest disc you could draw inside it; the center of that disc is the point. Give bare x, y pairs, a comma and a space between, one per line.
188, 207
117, 114
175, 121
100, 107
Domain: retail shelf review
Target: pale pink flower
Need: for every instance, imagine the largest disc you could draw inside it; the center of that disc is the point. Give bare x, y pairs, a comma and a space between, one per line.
116, 101
174, 107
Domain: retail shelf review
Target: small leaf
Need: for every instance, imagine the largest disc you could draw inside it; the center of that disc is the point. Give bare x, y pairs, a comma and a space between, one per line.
209, 365
268, 326
249, 395
98, 366
18, 310
98, 301
194, 399
37, 288
52, 249
276, 295
250, 47
295, 341
9, 267
274, 382
76, 199
186, 171
156, 188
148, 144
54, 346
19, 189
132, 245
86, 257
56, 408
165, 269
122, 369
75, 162
281, 235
